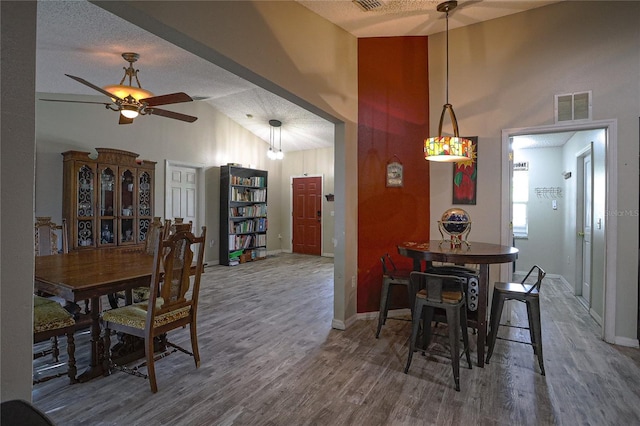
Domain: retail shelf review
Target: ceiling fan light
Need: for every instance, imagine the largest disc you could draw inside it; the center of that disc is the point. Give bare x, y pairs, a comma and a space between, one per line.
129, 111
123, 91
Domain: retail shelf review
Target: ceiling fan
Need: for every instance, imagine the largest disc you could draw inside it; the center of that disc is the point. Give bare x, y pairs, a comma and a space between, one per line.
132, 101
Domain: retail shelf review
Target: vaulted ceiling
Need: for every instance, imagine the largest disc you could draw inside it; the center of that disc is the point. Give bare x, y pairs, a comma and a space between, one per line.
81, 39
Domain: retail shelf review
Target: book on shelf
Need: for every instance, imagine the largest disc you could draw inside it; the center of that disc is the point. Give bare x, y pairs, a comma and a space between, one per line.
248, 195
255, 181
258, 210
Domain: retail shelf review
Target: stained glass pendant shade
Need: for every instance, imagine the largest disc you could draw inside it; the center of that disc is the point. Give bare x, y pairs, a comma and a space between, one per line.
448, 148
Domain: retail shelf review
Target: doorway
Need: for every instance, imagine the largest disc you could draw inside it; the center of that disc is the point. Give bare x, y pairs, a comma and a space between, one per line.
184, 188
567, 247
307, 215
584, 225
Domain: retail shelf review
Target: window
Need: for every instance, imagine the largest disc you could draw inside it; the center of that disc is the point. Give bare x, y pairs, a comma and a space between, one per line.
520, 197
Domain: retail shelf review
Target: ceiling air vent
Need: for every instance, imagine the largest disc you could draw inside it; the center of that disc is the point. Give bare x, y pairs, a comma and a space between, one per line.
573, 106
368, 5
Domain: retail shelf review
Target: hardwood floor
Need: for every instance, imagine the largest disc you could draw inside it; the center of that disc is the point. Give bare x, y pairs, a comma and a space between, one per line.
270, 357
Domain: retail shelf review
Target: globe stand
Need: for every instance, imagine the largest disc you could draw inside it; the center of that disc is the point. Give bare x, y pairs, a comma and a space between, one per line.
456, 238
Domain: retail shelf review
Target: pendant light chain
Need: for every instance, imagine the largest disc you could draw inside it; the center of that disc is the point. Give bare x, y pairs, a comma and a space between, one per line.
447, 51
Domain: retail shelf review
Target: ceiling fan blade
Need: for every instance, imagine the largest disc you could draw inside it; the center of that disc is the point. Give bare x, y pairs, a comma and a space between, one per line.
171, 114
93, 86
76, 102
124, 120
172, 98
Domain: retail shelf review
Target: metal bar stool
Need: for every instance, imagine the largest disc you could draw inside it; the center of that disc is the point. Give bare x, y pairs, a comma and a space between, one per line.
391, 276
522, 292
445, 292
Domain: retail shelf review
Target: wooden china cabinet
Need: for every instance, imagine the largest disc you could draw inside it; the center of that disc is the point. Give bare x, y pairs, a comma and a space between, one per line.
108, 199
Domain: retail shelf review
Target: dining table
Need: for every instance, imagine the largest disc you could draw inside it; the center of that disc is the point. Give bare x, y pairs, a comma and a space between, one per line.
467, 253
91, 274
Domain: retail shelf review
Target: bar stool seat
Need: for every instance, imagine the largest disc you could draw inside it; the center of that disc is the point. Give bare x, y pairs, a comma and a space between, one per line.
522, 292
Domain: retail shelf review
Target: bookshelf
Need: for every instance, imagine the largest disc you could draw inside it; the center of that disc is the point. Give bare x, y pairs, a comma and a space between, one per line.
243, 215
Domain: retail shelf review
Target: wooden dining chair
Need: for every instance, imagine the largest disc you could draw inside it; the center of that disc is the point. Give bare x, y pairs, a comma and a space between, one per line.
178, 221
157, 230
172, 304
47, 234
51, 320
51, 239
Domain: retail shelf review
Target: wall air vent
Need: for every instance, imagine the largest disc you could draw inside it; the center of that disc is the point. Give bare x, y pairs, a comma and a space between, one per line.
573, 106
521, 166
368, 5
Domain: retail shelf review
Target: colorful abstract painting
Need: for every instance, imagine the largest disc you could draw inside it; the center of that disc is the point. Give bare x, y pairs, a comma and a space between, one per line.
465, 177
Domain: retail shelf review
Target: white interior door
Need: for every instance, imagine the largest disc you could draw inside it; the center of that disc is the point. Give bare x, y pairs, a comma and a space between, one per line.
587, 222
182, 194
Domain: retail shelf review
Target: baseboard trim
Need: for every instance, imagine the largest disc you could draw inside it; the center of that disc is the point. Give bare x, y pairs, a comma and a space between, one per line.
393, 313
626, 341
343, 325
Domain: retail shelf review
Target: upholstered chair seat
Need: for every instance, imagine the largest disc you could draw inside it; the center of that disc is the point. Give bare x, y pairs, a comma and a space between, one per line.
135, 315
49, 321
49, 315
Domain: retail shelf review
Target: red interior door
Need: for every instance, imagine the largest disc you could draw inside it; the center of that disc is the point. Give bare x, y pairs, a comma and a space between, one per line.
307, 215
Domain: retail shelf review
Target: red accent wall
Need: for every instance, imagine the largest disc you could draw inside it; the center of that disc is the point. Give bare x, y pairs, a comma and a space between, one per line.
393, 120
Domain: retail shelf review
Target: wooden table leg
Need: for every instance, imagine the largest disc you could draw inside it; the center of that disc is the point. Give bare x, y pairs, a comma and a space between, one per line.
95, 366
483, 291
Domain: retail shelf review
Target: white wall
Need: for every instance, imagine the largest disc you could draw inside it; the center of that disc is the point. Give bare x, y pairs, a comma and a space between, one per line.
544, 242
506, 74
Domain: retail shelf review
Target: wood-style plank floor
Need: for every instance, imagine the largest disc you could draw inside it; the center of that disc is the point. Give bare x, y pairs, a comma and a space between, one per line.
270, 357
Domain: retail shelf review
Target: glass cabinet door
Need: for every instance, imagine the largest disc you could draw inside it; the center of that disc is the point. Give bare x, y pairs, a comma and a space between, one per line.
144, 204
127, 206
107, 200
107, 206
85, 203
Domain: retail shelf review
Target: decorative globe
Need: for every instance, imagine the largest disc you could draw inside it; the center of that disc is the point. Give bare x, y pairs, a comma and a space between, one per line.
455, 221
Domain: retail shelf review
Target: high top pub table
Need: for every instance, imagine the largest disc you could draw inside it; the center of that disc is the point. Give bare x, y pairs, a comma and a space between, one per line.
482, 254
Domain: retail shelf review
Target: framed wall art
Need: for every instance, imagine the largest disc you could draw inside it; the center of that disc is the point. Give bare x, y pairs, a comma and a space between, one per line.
465, 177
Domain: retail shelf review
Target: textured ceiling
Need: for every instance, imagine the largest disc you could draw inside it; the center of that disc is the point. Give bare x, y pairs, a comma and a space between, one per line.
413, 17
81, 39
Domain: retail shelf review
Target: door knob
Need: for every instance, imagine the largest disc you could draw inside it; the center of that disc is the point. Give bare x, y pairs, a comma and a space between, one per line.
581, 234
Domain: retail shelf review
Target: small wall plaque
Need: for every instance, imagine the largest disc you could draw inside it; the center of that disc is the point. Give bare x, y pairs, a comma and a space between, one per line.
395, 175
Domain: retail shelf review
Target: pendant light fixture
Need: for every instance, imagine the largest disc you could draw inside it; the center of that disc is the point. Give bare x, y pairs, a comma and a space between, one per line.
272, 153
448, 148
